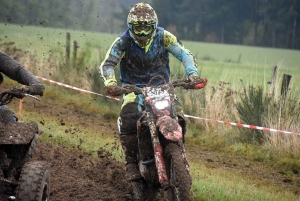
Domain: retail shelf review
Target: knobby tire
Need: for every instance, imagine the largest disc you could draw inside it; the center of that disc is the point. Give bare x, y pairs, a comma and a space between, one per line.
179, 177
34, 182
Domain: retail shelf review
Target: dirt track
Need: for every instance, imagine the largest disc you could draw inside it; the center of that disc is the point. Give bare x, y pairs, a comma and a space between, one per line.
77, 176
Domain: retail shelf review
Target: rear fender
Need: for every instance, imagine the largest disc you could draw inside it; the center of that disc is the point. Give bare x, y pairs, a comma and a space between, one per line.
169, 128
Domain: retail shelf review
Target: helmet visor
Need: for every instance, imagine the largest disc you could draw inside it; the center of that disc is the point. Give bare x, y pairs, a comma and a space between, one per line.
142, 29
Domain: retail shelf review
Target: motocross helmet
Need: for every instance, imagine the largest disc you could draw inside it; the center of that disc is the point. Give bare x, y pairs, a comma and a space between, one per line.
142, 23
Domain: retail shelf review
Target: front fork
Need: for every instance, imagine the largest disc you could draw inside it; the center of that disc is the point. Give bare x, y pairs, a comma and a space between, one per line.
158, 156
183, 153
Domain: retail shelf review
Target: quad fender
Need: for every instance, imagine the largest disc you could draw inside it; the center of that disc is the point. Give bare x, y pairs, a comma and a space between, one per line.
169, 128
18, 133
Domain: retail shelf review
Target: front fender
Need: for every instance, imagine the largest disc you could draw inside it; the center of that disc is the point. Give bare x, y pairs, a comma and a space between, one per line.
169, 128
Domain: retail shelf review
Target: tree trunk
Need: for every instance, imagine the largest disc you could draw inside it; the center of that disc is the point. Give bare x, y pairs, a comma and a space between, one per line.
273, 37
222, 34
287, 37
294, 31
255, 23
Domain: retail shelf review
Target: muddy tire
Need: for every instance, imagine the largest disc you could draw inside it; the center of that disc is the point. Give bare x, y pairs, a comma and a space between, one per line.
138, 188
179, 178
34, 182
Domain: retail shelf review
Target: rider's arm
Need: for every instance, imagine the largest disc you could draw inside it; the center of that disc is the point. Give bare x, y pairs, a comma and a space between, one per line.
16, 71
174, 46
112, 59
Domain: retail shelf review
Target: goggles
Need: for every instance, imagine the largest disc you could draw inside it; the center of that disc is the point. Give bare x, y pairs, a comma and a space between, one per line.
142, 29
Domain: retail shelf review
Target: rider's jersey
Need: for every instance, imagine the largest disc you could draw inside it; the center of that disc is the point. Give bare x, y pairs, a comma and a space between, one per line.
14, 70
138, 65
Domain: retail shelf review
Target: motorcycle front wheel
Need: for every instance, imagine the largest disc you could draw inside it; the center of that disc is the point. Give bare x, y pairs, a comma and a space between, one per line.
179, 177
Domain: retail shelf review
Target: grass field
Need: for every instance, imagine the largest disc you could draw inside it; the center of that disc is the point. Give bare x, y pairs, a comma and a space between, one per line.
217, 62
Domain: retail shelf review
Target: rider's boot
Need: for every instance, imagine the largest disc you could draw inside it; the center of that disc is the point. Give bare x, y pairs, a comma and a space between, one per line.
130, 148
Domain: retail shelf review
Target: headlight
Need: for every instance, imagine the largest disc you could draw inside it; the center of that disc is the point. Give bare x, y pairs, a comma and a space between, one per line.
161, 104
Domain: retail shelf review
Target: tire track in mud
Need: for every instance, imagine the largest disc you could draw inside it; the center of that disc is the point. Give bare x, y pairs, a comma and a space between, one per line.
78, 176
74, 174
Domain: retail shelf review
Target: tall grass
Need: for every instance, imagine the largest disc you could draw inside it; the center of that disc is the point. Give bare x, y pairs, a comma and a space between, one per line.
224, 98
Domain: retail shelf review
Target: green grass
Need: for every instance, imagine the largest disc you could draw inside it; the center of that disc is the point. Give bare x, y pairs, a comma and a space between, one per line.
256, 63
254, 56
211, 184
41, 40
208, 183
216, 62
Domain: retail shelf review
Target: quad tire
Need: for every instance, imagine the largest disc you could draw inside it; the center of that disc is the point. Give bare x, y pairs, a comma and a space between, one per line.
34, 182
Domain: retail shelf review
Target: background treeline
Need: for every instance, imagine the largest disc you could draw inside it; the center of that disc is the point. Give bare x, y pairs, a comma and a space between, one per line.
271, 23
268, 23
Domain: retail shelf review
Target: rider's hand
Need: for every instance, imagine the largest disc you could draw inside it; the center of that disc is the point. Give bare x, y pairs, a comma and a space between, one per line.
201, 83
111, 81
7, 95
193, 76
110, 86
35, 89
110, 90
198, 82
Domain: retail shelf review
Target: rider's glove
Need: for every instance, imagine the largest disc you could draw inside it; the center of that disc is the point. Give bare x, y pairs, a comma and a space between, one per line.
193, 77
35, 89
111, 81
7, 95
110, 84
111, 90
198, 82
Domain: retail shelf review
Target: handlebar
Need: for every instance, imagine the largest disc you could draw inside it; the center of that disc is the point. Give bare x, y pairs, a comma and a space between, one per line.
126, 89
15, 92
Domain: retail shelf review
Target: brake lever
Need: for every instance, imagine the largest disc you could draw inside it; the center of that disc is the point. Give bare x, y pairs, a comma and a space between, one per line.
33, 96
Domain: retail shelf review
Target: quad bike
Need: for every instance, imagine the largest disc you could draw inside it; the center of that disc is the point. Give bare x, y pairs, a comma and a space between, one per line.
161, 155
21, 179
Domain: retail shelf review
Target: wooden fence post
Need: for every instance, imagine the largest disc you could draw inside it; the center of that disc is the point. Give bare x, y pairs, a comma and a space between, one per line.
75, 47
239, 59
273, 80
285, 85
68, 48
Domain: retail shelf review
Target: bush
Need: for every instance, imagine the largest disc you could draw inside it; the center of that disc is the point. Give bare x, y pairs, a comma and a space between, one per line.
255, 106
251, 108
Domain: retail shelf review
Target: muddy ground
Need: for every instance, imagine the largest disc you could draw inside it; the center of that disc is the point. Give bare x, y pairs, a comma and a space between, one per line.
77, 176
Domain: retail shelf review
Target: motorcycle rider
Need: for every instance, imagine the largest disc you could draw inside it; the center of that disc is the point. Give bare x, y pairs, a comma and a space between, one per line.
143, 52
16, 71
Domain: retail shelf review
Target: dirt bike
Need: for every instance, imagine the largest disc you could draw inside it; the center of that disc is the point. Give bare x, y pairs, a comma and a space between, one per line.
162, 158
21, 179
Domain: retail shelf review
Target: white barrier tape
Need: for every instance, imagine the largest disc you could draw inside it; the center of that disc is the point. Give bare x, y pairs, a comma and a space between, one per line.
75, 88
189, 116
245, 125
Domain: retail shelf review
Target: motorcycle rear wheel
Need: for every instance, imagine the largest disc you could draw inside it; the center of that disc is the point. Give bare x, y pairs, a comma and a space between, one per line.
34, 182
179, 177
